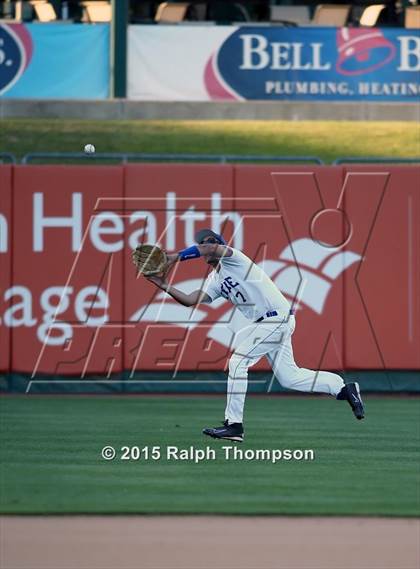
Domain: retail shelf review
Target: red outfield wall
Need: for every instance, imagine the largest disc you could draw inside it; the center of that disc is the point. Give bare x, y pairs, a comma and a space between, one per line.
342, 241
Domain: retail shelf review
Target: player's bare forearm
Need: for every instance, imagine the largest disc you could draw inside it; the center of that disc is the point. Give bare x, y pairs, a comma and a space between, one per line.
191, 299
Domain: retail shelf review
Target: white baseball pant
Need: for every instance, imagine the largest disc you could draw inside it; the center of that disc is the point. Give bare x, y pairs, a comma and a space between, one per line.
272, 338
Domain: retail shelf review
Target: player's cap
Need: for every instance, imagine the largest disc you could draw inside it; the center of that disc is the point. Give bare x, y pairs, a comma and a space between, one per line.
203, 233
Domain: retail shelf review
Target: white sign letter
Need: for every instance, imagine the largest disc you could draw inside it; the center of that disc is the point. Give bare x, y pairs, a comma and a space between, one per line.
190, 217
3, 234
409, 53
24, 307
170, 221
75, 221
149, 227
51, 324
280, 53
114, 226
91, 298
219, 221
254, 45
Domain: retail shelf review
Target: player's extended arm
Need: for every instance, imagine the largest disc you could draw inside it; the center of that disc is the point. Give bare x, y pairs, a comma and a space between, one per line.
208, 250
196, 297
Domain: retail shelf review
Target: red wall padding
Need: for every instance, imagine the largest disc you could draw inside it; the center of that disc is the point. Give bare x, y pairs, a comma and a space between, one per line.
5, 265
67, 282
341, 241
382, 299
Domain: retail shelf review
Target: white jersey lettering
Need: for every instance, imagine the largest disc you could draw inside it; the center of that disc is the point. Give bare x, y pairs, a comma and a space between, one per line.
247, 286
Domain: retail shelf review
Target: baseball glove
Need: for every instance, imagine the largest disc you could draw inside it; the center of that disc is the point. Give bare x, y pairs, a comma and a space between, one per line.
149, 260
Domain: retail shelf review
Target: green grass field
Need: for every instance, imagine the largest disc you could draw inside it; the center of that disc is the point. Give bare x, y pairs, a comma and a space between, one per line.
51, 463
326, 139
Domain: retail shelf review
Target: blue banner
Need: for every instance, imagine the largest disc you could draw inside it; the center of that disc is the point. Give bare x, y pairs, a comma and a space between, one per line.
54, 61
324, 64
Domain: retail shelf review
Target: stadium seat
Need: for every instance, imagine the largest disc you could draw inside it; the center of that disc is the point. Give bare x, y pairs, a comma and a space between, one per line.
331, 15
171, 12
23, 11
370, 15
242, 12
412, 17
298, 15
95, 12
44, 11
197, 12
225, 12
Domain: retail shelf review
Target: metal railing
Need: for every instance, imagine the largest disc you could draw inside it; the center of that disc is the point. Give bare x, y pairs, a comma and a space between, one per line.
375, 160
124, 158
7, 158
141, 157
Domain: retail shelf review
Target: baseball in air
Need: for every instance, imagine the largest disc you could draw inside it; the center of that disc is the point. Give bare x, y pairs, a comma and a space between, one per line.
89, 149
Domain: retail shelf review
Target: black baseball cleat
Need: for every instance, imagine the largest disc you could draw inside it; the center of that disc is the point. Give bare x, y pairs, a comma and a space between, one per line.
351, 393
233, 432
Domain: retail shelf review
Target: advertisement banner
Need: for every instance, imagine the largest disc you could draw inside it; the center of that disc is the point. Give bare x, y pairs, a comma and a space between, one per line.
341, 243
54, 61
67, 271
234, 63
382, 300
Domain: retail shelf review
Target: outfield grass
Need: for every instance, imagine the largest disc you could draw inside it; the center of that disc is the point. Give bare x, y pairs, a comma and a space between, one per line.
326, 139
51, 463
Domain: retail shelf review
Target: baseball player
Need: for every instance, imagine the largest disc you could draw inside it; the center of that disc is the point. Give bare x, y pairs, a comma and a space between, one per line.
272, 323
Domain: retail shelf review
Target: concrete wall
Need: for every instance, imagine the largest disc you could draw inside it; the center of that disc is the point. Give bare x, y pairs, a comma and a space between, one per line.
250, 110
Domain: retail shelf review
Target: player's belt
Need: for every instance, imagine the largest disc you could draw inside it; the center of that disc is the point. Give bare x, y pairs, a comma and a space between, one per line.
273, 313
